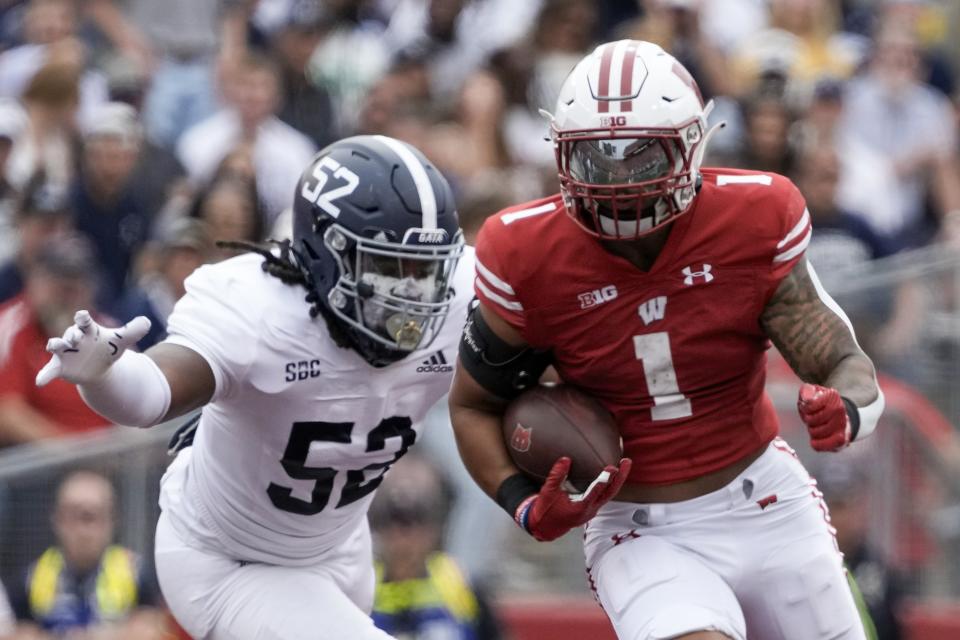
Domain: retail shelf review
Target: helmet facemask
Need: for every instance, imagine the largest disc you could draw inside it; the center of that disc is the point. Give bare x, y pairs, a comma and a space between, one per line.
394, 293
623, 183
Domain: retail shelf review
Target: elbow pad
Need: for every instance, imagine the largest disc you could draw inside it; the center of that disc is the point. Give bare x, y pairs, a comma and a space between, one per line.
502, 369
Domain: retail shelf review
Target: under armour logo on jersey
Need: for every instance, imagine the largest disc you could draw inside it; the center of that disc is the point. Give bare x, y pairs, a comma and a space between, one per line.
653, 309
597, 296
436, 363
690, 276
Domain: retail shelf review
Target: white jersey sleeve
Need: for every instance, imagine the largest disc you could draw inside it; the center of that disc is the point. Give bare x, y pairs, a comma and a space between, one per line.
214, 319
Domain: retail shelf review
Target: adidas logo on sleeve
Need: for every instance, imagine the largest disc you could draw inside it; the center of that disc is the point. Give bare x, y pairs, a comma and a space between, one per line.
436, 363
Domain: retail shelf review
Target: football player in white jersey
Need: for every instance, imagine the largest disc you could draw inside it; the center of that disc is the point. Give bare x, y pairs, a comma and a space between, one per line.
314, 365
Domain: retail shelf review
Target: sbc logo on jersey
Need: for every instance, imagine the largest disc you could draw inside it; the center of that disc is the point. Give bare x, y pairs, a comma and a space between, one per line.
520, 438
436, 363
597, 296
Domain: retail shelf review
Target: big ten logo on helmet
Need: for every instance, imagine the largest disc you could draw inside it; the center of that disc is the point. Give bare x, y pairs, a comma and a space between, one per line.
613, 121
302, 370
597, 296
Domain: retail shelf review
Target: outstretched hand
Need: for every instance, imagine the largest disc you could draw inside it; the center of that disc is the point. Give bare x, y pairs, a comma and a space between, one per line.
87, 350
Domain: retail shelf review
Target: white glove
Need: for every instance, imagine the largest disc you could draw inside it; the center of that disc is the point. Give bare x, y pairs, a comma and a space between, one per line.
86, 351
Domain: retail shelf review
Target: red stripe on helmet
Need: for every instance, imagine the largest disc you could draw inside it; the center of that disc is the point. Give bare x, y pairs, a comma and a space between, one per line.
603, 91
626, 77
684, 75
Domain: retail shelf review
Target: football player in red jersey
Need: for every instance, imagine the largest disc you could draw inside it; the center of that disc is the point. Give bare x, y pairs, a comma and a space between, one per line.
656, 286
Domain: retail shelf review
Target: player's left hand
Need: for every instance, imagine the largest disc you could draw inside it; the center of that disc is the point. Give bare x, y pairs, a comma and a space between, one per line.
825, 414
87, 350
552, 512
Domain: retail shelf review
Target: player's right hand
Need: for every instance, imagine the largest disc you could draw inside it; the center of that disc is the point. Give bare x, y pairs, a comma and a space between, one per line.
552, 512
87, 350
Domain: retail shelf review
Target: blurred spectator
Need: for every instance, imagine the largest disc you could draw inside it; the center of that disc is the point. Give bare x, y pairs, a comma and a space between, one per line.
306, 106
803, 42
178, 250
675, 26
841, 240
279, 151
844, 485
766, 145
50, 102
180, 42
60, 281
230, 213
42, 214
456, 36
533, 71
50, 35
12, 122
84, 583
912, 126
122, 185
421, 592
351, 57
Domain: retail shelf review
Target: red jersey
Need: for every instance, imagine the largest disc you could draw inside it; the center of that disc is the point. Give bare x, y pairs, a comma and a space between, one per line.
22, 355
677, 353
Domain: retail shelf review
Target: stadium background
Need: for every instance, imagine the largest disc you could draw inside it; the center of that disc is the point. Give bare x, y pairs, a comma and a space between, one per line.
857, 100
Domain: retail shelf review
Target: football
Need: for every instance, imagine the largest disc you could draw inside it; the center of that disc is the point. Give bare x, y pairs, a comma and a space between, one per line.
551, 421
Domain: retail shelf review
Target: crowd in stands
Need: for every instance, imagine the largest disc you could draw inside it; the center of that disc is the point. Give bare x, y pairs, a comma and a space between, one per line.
134, 134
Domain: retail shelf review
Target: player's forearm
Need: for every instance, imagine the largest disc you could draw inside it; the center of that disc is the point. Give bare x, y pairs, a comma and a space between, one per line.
480, 442
133, 392
855, 378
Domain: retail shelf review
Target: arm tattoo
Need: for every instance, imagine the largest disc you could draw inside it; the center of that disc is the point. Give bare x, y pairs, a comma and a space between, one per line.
811, 337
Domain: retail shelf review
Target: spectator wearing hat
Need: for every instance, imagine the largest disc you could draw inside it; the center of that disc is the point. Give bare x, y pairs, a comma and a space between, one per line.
118, 192
178, 250
61, 279
420, 591
41, 214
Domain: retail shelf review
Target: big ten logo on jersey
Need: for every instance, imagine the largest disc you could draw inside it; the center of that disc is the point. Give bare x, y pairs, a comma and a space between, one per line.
653, 309
302, 369
597, 296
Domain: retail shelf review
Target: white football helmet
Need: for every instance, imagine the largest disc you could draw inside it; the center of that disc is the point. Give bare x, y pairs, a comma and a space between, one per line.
629, 133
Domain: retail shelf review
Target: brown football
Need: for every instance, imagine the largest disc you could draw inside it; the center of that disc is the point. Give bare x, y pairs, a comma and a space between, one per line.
551, 421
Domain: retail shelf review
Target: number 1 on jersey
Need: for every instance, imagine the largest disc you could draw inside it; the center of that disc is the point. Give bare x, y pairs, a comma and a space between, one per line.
653, 349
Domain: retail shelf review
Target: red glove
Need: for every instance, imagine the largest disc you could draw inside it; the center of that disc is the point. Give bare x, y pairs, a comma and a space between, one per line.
552, 512
824, 412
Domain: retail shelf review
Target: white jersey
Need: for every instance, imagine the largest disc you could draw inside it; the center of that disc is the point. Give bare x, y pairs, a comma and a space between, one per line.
299, 431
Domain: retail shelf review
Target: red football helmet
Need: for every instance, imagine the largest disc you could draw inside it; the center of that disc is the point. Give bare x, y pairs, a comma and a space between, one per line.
629, 134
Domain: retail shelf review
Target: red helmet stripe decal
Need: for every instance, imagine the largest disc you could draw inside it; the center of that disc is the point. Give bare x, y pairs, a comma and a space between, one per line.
688, 80
626, 76
603, 91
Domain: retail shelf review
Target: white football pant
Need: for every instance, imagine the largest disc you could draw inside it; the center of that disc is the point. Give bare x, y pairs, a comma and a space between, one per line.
756, 559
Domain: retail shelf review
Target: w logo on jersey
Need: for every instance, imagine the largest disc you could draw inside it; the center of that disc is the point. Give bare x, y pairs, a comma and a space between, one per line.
520, 438
436, 363
653, 309
690, 276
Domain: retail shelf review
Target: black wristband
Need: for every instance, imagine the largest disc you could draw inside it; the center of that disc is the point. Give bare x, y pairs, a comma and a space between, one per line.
854, 414
515, 490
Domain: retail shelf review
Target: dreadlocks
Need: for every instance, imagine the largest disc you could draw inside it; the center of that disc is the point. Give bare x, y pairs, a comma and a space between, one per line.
286, 268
